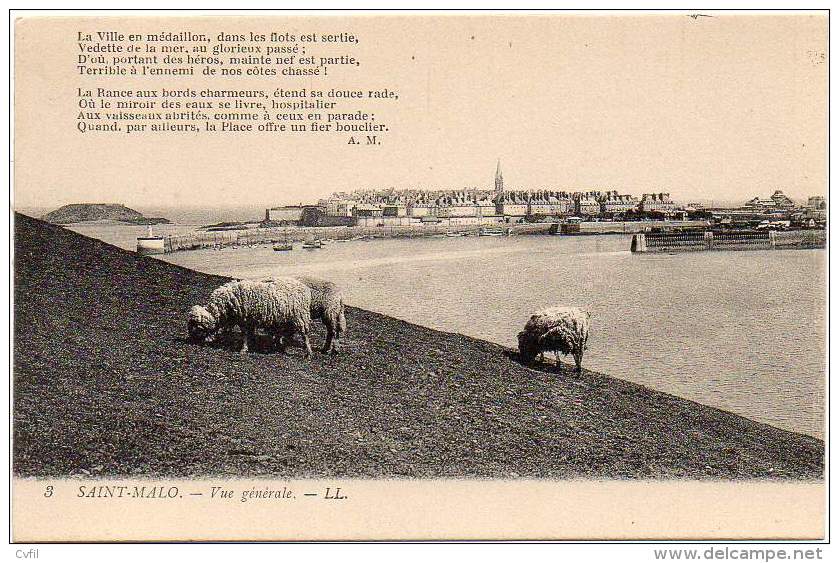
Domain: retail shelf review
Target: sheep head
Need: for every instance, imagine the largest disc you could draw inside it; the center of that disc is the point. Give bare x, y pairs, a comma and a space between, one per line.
528, 345
200, 323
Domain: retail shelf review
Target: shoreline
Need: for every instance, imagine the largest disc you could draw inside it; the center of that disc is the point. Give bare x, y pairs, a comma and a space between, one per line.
131, 397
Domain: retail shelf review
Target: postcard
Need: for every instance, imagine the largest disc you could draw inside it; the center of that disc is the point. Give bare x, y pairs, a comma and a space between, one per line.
419, 276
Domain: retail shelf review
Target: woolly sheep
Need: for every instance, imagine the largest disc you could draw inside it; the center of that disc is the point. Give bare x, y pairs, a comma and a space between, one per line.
279, 307
328, 306
557, 329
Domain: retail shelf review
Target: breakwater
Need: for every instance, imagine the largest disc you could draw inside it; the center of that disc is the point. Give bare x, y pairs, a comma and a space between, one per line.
253, 237
622, 227
688, 241
270, 235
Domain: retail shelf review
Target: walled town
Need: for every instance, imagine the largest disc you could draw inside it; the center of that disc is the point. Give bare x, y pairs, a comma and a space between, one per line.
501, 205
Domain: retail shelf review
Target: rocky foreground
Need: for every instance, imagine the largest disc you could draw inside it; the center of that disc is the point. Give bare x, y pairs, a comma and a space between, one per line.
106, 384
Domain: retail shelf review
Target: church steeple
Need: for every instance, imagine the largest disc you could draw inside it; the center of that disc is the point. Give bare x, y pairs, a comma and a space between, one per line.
499, 179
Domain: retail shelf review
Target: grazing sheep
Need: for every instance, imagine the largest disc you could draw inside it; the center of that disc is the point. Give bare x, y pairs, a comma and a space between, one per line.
328, 306
279, 307
557, 329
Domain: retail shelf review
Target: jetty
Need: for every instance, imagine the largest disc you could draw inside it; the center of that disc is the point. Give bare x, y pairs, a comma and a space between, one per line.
622, 227
690, 241
107, 385
271, 235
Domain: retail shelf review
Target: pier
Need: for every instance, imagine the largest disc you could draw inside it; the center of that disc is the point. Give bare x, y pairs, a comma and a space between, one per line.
690, 241
271, 235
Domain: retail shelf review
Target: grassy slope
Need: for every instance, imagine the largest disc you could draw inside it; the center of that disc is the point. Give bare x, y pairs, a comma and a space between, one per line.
105, 384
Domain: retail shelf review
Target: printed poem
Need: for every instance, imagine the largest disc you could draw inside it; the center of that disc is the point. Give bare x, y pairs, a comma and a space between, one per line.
242, 82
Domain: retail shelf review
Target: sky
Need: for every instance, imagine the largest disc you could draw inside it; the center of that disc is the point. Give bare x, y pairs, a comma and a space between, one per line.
721, 108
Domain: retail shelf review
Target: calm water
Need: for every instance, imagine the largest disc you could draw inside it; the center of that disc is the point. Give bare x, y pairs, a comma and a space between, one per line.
742, 331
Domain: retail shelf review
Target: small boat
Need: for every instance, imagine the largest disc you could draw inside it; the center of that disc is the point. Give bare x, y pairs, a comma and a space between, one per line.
313, 244
283, 246
486, 232
455, 234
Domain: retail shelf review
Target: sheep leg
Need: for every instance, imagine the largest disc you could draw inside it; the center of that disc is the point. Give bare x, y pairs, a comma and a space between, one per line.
307, 343
282, 338
279, 342
329, 345
578, 359
342, 324
303, 328
248, 341
340, 328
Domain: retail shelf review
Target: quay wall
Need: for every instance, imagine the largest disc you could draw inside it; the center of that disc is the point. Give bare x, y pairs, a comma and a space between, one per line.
269, 235
690, 241
631, 227
250, 237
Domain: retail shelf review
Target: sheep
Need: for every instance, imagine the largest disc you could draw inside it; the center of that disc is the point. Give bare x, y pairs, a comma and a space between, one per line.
328, 306
558, 329
279, 307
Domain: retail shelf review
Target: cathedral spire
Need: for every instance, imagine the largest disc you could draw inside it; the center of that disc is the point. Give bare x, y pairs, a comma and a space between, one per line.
499, 179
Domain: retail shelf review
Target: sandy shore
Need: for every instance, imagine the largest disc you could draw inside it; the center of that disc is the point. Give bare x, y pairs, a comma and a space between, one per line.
105, 384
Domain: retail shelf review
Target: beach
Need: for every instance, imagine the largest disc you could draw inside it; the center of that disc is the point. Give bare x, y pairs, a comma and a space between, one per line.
106, 384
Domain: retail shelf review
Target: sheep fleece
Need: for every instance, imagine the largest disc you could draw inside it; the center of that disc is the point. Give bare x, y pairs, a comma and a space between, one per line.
327, 302
280, 303
561, 328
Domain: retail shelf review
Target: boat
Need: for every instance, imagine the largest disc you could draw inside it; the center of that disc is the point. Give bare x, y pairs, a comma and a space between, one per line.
283, 246
490, 232
313, 244
455, 234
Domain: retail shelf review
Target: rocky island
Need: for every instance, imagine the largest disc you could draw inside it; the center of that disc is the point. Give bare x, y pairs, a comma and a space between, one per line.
86, 212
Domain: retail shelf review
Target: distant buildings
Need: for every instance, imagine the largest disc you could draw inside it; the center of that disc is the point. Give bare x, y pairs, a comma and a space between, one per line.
587, 204
614, 203
816, 202
816, 211
499, 203
777, 201
337, 207
550, 203
660, 203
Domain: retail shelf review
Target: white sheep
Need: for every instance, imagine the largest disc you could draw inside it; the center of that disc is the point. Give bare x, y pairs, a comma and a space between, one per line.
279, 307
558, 330
328, 306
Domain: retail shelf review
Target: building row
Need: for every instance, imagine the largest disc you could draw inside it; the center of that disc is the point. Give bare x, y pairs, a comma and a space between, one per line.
482, 206
508, 204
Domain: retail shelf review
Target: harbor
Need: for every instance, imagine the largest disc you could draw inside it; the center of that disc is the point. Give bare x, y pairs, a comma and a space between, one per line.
235, 238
